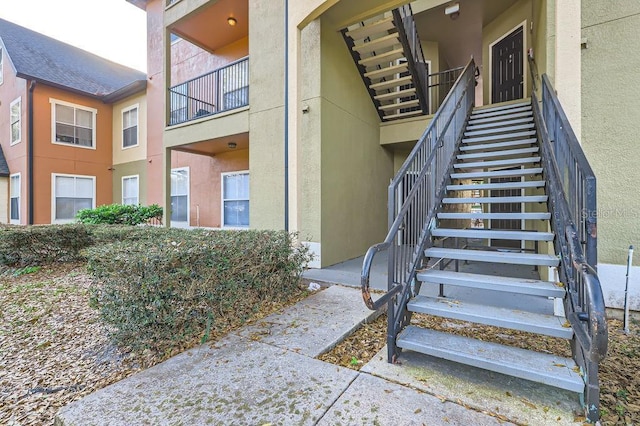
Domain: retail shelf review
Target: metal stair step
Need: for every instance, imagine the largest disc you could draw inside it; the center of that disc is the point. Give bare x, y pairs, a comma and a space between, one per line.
510, 216
512, 258
492, 108
503, 129
497, 173
500, 153
513, 319
494, 200
473, 122
495, 145
382, 58
385, 72
403, 115
501, 185
396, 82
407, 104
501, 123
493, 283
492, 234
497, 163
513, 135
534, 366
377, 27
497, 113
396, 95
378, 43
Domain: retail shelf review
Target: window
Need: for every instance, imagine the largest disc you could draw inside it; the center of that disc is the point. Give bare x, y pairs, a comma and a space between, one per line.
14, 204
180, 195
16, 121
72, 194
235, 199
130, 127
130, 190
73, 125
1, 67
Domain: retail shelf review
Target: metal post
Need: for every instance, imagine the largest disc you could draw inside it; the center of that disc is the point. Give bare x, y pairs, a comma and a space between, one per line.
626, 292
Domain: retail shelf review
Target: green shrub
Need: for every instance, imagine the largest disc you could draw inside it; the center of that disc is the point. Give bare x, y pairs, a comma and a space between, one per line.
181, 285
118, 214
22, 246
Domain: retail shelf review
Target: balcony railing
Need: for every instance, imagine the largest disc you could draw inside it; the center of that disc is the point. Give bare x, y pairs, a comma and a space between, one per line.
218, 91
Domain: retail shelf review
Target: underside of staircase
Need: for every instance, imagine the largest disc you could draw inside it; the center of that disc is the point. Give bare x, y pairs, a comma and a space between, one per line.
494, 213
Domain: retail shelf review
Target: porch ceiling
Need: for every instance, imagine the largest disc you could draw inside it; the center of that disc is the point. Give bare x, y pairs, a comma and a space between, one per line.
460, 38
207, 27
217, 146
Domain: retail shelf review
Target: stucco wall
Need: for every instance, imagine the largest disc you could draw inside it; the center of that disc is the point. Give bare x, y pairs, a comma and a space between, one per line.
134, 153
4, 200
133, 168
610, 116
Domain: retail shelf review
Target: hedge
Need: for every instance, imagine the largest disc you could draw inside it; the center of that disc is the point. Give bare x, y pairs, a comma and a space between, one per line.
119, 214
182, 285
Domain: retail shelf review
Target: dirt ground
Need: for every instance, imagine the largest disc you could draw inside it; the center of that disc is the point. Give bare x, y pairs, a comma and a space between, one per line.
619, 372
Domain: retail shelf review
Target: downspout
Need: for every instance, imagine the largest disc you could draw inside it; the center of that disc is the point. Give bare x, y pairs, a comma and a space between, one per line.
32, 86
286, 115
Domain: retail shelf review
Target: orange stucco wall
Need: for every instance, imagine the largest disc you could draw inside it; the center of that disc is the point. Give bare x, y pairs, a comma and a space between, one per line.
55, 158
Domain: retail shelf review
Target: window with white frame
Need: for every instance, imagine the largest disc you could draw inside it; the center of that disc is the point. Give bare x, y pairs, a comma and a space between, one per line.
180, 195
73, 124
1, 65
235, 199
130, 190
71, 194
130, 127
14, 196
16, 121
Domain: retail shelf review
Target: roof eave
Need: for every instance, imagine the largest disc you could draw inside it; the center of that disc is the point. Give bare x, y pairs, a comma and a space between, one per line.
60, 86
129, 90
142, 4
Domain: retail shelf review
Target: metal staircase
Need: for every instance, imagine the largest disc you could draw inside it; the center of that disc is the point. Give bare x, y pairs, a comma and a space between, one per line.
386, 49
534, 207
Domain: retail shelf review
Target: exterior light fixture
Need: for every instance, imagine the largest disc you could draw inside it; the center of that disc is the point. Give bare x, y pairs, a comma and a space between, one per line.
232, 21
452, 11
232, 145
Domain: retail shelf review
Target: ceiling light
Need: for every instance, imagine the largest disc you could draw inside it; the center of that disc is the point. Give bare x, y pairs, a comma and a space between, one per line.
452, 11
232, 145
232, 21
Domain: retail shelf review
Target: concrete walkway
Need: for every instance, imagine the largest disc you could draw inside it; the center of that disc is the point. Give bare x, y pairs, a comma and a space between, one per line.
267, 374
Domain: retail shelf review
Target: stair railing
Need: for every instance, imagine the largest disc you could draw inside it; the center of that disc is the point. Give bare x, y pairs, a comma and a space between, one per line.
572, 203
413, 198
406, 26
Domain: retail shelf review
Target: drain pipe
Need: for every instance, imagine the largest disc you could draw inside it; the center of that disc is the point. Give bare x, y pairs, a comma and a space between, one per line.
626, 292
286, 115
30, 185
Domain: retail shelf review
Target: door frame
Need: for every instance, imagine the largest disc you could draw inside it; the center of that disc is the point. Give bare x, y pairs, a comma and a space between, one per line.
525, 86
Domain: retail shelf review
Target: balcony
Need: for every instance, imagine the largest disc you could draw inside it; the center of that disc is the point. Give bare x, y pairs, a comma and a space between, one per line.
220, 90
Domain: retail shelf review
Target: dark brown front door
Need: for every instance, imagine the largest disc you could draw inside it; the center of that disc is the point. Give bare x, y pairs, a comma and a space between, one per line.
507, 69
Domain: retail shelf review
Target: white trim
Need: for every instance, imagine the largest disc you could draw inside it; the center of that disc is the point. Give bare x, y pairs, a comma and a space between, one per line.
13, 221
122, 112
137, 177
181, 223
53, 195
18, 100
1, 65
222, 199
94, 112
522, 24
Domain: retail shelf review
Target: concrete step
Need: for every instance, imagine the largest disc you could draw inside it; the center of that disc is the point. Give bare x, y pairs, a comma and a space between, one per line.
378, 43
388, 71
396, 95
513, 135
509, 216
547, 325
383, 58
512, 128
501, 123
374, 28
493, 283
497, 163
496, 145
512, 258
408, 104
497, 173
390, 84
502, 185
479, 114
499, 118
504, 107
549, 369
493, 200
499, 153
493, 234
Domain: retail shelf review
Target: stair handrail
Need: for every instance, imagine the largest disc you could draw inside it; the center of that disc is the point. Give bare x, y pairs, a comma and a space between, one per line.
408, 33
417, 189
572, 203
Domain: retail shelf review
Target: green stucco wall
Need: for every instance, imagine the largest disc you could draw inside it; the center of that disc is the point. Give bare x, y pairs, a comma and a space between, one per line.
610, 116
130, 169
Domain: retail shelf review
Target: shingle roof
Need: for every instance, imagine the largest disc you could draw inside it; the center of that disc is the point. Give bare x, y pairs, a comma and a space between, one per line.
44, 59
4, 167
